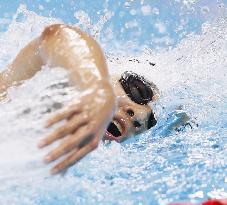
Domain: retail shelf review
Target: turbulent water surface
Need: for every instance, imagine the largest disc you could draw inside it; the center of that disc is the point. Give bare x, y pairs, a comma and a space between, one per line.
157, 167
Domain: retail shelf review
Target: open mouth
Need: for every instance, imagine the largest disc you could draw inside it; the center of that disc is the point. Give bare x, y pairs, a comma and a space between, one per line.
114, 131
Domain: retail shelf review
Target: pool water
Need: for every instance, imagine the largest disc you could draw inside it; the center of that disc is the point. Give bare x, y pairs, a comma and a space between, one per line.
160, 166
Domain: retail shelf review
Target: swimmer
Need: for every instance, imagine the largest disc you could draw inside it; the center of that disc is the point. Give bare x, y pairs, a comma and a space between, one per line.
116, 108
133, 114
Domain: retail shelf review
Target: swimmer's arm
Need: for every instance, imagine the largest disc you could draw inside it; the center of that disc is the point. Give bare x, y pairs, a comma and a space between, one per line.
88, 117
76, 51
59, 46
24, 66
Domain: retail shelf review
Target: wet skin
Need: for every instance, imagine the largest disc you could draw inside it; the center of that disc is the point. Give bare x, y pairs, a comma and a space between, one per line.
86, 119
130, 118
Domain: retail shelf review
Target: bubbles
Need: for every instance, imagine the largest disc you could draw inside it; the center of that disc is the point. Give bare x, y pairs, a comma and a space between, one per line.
127, 4
146, 10
205, 9
161, 27
189, 3
133, 12
155, 11
87, 24
83, 18
41, 7
131, 24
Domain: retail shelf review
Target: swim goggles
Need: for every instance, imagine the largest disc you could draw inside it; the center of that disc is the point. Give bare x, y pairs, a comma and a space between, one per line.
137, 88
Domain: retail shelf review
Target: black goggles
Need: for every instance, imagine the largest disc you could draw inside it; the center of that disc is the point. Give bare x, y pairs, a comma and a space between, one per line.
137, 88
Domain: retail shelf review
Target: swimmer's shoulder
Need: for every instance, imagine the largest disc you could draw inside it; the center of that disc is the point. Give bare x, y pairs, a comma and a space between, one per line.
63, 31
63, 37
55, 29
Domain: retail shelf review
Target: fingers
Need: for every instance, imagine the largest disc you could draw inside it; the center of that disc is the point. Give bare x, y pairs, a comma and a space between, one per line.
74, 141
75, 157
80, 134
70, 127
75, 109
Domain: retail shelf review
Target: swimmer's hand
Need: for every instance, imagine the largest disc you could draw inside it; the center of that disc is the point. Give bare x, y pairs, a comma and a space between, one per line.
84, 126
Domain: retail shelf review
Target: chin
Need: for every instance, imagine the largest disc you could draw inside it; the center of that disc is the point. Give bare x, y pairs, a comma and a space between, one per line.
111, 137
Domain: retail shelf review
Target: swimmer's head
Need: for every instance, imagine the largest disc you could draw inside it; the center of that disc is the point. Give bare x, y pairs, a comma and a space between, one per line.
133, 114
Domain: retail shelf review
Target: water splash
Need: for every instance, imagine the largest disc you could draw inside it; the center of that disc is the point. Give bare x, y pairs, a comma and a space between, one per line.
86, 23
186, 164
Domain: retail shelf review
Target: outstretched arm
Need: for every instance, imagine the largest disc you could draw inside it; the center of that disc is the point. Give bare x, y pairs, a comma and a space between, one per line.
88, 117
59, 46
24, 66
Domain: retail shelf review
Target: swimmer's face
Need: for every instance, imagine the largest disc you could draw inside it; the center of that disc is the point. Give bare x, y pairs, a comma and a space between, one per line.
133, 115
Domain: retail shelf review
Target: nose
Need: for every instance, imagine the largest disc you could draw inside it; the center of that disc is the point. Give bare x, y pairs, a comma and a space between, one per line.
138, 117
131, 113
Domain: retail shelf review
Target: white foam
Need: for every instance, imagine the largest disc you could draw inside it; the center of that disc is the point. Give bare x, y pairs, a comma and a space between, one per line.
191, 76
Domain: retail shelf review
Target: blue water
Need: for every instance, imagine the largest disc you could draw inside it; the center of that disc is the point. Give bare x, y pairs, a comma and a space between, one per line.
136, 22
183, 158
